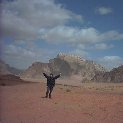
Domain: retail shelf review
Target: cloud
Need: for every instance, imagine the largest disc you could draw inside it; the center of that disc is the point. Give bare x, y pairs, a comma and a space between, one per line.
104, 10
22, 57
22, 19
44, 19
79, 52
16, 50
60, 34
103, 46
18, 56
111, 61
69, 34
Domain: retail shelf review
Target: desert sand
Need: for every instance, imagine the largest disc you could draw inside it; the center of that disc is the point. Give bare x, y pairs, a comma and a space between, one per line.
90, 103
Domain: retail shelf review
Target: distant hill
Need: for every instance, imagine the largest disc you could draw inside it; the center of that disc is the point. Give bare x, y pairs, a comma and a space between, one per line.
68, 65
115, 75
9, 79
6, 69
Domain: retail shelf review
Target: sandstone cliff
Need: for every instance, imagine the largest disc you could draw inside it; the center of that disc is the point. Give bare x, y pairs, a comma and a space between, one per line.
68, 65
6, 69
115, 75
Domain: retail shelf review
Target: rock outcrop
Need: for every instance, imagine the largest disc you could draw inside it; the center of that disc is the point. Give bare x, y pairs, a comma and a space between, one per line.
35, 70
115, 76
68, 65
10, 79
6, 69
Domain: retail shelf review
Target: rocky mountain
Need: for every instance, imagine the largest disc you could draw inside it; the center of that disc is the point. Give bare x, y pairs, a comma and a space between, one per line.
9, 79
6, 69
115, 75
36, 70
68, 65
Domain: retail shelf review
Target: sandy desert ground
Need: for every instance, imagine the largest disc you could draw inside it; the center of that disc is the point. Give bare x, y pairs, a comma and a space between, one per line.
90, 103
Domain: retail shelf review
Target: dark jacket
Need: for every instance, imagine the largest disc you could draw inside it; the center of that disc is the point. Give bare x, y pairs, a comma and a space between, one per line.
51, 80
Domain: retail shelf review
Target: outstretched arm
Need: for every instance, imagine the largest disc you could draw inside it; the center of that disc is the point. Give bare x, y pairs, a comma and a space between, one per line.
57, 76
45, 75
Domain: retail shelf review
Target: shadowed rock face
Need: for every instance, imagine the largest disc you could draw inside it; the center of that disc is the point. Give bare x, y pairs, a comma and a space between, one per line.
6, 69
68, 65
3, 68
35, 70
115, 75
10, 79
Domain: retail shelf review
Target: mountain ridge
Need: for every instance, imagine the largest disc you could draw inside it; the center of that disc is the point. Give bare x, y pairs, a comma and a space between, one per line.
7, 69
68, 65
115, 76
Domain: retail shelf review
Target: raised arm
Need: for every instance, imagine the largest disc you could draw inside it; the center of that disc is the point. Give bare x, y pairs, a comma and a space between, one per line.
57, 76
45, 75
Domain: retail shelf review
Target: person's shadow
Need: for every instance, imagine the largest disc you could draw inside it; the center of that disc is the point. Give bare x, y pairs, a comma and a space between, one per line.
44, 97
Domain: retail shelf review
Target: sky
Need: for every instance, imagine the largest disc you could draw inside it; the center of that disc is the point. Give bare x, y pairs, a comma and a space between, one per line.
37, 30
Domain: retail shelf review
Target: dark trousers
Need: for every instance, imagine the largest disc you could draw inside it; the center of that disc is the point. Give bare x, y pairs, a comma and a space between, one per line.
49, 91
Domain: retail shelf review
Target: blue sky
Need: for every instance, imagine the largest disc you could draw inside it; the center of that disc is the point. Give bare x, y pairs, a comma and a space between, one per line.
40, 29
87, 8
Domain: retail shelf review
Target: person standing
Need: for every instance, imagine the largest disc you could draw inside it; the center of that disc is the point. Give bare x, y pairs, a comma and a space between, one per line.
50, 83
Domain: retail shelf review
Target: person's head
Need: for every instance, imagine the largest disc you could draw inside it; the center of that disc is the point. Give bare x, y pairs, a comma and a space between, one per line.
51, 75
